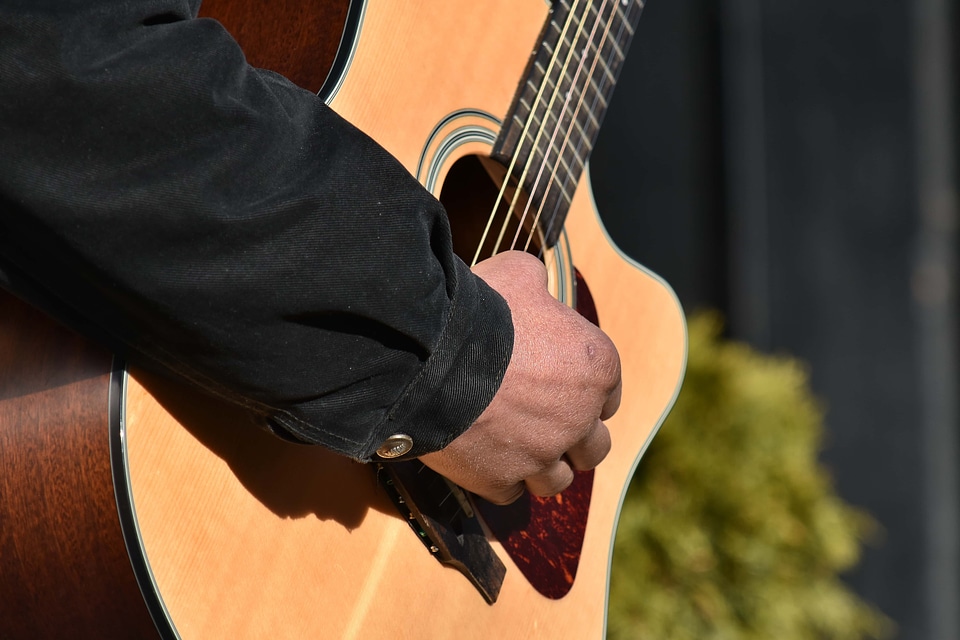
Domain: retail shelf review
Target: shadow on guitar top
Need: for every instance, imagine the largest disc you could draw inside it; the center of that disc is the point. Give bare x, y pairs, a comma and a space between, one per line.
291, 480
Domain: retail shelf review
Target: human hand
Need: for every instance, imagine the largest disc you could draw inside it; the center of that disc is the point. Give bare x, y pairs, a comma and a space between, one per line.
546, 419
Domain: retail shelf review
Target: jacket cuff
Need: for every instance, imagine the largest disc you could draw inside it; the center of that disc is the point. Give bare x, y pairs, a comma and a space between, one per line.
461, 376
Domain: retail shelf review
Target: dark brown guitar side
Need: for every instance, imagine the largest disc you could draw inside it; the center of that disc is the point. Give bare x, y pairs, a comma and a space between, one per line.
65, 567
66, 571
225, 562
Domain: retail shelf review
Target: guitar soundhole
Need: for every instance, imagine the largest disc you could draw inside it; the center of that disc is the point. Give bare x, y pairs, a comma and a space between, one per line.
470, 193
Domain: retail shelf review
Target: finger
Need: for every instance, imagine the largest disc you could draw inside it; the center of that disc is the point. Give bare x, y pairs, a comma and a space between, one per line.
505, 496
531, 266
551, 480
613, 401
519, 266
590, 451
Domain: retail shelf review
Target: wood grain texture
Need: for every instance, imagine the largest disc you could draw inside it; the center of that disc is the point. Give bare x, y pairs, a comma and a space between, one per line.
418, 61
295, 38
64, 565
251, 537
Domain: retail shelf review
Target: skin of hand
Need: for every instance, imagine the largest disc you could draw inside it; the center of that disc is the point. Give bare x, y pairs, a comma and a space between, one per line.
545, 421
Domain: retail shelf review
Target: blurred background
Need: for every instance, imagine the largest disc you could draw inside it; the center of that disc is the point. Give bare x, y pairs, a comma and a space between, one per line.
792, 165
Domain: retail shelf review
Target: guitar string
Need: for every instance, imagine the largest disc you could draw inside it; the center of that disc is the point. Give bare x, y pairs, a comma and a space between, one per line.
624, 26
448, 521
530, 118
597, 59
583, 138
523, 136
552, 181
580, 103
542, 129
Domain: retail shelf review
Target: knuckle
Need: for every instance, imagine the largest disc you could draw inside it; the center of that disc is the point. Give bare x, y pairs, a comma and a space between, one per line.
552, 481
524, 260
508, 495
604, 360
591, 450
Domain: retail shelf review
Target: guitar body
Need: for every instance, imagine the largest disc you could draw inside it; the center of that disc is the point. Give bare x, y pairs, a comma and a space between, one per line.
233, 533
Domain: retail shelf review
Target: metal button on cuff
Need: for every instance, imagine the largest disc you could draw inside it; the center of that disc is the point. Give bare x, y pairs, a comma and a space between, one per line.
395, 446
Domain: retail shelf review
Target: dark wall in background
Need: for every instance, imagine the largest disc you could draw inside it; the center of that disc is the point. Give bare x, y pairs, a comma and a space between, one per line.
656, 166
768, 158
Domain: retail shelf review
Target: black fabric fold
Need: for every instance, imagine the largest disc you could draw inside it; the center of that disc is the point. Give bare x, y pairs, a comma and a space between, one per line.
216, 220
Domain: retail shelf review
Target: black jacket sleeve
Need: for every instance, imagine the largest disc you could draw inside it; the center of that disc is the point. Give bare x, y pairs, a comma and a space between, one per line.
218, 221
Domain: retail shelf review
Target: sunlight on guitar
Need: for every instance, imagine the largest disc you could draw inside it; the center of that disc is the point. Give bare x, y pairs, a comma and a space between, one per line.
231, 533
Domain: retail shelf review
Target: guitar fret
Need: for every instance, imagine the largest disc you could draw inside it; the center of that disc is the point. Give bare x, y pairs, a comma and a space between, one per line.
562, 158
567, 168
616, 46
556, 113
551, 120
607, 72
580, 129
563, 193
626, 20
593, 118
555, 187
551, 189
599, 96
582, 110
549, 125
623, 18
618, 53
560, 151
554, 171
551, 83
525, 105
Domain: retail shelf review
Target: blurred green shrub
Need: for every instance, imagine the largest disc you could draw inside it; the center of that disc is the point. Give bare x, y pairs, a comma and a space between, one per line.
731, 528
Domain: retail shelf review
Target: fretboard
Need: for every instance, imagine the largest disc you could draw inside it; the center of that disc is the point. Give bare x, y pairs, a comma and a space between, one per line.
556, 114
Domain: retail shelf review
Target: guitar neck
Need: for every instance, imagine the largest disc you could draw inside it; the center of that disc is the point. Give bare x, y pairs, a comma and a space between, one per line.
556, 114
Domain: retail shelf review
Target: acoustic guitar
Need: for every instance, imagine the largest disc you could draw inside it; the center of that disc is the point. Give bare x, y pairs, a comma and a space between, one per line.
131, 507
